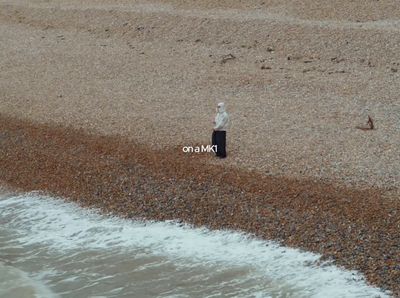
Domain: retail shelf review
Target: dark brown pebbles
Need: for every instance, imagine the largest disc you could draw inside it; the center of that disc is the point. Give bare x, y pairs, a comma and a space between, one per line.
358, 229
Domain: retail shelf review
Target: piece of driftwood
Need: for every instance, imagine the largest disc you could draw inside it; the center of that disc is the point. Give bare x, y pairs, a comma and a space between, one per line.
370, 122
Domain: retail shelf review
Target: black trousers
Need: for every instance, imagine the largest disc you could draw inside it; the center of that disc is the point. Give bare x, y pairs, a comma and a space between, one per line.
219, 139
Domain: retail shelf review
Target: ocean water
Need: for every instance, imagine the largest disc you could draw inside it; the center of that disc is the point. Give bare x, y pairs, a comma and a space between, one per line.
52, 248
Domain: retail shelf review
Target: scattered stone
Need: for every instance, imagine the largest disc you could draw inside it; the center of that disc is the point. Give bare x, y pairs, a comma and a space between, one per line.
337, 60
289, 58
308, 69
337, 71
227, 58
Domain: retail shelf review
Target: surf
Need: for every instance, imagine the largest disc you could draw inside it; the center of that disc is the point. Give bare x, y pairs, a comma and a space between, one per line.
77, 252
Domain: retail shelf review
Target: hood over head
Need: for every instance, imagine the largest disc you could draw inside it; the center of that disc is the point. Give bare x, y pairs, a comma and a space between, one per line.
221, 107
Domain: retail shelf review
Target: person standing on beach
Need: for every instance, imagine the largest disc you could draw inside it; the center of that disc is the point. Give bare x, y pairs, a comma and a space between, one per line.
219, 133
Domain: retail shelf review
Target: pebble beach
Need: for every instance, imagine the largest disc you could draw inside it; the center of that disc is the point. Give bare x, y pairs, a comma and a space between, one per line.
98, 99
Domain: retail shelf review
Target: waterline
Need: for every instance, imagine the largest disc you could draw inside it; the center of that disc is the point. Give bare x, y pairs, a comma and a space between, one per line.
76, 252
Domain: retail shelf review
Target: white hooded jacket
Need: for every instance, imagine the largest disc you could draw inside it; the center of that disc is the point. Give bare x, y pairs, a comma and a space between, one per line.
221, 120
